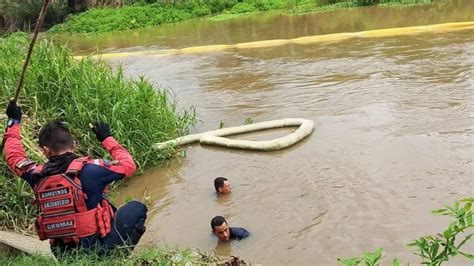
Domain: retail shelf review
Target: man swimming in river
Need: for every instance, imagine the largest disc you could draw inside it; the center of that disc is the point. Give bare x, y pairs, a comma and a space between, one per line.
221, 229
222, 185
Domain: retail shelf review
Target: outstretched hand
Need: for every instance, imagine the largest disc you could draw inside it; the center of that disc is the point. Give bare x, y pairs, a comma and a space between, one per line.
14, 111
101, 130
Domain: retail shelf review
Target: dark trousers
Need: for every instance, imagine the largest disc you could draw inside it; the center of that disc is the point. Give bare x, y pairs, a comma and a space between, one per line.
127, 228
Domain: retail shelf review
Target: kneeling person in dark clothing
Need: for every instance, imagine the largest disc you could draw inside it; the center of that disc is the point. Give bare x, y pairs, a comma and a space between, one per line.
74, 212
221, 229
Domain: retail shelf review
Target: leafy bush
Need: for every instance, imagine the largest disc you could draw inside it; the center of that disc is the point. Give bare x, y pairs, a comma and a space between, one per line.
129, 17
365, 2
240, 8
144, 13
438, 248
434, 249
218, 6
264, 5
200, 11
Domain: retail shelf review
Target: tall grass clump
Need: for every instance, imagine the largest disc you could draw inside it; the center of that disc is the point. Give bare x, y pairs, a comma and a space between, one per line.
79, 92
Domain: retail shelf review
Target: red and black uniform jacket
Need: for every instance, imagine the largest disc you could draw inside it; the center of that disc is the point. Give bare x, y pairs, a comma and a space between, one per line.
94, 176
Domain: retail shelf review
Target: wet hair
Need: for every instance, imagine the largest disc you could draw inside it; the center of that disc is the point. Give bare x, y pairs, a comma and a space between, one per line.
219, 182
56, 136
217, 221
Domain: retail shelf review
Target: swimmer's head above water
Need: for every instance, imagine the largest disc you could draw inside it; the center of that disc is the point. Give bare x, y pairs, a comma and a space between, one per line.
224, 232
220, 228
222, 185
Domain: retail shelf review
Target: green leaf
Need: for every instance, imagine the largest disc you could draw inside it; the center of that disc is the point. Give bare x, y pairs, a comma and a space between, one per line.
467, 207
462, 222
439, 211
349, 262
451, 248
128, 198
467, 255
465, 240
447, 233
467, 200
456, 206
371, 259
396, 262
434, 249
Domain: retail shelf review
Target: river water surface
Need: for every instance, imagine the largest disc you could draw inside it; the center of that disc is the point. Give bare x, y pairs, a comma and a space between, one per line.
393, 137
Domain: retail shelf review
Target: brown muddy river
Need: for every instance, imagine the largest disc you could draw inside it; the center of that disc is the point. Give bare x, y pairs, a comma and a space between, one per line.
393, 137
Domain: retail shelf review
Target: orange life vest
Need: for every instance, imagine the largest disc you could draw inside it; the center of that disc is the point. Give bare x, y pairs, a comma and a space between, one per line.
63, 210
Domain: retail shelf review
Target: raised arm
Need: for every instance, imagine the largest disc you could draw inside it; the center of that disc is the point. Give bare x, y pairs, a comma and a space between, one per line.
15, 154
123, 160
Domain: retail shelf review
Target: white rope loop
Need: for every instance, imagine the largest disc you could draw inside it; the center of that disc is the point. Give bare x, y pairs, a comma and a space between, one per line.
216, 137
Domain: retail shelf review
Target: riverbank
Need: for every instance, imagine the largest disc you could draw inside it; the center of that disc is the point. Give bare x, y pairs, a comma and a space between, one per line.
99, 20
79, 92
157, 256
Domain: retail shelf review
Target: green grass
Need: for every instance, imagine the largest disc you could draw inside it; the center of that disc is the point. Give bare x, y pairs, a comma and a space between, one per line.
403, 2
111, 19
157, 256
57, 86
98, 20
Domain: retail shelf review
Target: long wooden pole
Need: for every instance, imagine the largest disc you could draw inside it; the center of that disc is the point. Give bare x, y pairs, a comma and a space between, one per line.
39, 22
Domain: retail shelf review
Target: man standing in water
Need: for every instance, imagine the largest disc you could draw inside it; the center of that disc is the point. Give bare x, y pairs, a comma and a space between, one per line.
222, 185
221, 229
74, 211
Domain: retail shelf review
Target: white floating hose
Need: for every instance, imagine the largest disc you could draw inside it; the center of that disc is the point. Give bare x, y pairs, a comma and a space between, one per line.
215, 137
27, 244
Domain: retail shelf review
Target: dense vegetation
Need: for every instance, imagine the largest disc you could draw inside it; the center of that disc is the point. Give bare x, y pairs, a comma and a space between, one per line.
22, 14
79, 92
152, 13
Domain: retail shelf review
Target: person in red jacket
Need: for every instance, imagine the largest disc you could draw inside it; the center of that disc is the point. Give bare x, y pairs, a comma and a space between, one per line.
74, 211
